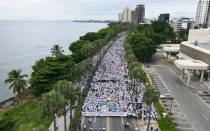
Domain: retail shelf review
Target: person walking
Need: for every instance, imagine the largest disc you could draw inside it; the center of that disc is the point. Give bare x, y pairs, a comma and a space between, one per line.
85, 127
57, 126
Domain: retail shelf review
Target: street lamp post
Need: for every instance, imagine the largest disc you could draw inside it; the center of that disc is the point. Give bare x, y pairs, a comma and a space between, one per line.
171, 98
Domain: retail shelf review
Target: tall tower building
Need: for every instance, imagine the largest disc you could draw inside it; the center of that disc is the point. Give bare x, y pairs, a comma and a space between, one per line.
120, 17
164, 17
140, 14
203, 14
133, 16
127, 14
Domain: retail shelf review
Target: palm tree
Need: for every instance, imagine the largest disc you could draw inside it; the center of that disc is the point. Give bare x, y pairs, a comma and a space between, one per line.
150, 96
69, 92
166, 31
18, 84
56, 50
88, 51
52, 103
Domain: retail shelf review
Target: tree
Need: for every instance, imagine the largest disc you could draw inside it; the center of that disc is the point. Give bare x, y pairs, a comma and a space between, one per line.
166, 31
69, 92
150, 96
55, 69
159, 26
90, 36
51, 105
156, 38
142, 46
56, 50
18, 84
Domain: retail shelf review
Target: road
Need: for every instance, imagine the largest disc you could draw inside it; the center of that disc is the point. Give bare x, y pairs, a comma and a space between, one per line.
196, 110
110, 123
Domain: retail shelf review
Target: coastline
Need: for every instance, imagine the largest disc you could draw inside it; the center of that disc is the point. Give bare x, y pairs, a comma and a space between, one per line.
7, 102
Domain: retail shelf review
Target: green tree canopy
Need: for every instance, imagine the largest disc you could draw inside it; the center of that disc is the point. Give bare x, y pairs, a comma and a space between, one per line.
103, 32
142, 46
56, 68
90, 36
76, 49
156, 38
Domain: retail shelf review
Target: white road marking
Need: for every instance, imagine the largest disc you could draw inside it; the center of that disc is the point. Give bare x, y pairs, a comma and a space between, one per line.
177, 86
185, 95
194, 105
94, 119
205, 117
178, 104
83, 120
134, 122
202, 100
122, 120
172, 71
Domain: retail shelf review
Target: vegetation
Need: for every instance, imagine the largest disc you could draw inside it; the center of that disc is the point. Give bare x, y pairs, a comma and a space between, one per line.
150, 96
164, 123
18, 84
56, 50
14, 119
142, 46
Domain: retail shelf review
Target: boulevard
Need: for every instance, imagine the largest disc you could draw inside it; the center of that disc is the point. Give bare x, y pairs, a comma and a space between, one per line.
195, 109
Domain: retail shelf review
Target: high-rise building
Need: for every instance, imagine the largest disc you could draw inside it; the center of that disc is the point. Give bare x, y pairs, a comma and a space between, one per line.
140, 14
127, 14
203, 14
120, 17
164, 17
133, 16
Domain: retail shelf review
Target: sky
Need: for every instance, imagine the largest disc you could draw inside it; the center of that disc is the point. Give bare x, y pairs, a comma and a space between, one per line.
91, 9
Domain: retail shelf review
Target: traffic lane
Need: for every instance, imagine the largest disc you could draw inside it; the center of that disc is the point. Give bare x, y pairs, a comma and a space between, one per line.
131, 121
191, 105
99, 122
115, 124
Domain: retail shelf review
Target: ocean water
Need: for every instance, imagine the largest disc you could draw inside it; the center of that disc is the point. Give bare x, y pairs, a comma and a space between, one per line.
24, 42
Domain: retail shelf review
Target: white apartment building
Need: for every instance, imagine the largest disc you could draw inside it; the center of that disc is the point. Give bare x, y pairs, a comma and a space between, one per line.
203, 13
127, 14
185, 23
120, 17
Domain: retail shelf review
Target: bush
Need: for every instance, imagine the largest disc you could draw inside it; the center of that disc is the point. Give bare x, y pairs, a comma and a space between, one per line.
160, 109
165, 124
6, 124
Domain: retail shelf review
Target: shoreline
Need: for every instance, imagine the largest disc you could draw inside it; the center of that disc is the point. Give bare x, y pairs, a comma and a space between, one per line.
4, 104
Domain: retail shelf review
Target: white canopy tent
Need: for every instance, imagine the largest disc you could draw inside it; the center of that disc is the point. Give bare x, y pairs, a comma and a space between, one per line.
191, 65
169, 50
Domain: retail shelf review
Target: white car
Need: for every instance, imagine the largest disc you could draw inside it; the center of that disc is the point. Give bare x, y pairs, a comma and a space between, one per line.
165, 96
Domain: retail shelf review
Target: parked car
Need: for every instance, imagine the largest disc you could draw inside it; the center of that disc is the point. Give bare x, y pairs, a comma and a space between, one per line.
166, 96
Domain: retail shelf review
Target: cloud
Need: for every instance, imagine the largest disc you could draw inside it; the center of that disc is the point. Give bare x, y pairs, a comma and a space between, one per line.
90, 9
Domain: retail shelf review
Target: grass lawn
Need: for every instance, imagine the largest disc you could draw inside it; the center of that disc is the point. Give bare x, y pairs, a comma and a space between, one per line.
170, 64
32, 110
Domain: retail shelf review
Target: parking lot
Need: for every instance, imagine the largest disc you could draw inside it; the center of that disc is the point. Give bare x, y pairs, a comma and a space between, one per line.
177, 115
205, 96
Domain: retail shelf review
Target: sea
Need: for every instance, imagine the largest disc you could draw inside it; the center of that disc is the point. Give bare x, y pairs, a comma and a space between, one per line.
22, 43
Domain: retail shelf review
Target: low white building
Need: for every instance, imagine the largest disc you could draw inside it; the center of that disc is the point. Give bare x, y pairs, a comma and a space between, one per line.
201, 35
185, 23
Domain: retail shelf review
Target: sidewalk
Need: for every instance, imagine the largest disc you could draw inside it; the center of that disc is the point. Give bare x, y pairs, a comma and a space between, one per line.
195, 84
153, 123
60, 121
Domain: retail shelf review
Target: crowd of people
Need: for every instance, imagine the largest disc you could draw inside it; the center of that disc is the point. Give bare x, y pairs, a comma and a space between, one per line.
110, 90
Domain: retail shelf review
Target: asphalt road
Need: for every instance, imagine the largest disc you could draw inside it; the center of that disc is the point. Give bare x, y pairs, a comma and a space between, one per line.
110, 123
196, 110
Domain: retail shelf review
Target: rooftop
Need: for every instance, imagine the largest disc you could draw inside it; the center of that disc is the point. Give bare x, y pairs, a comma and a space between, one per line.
204, 45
